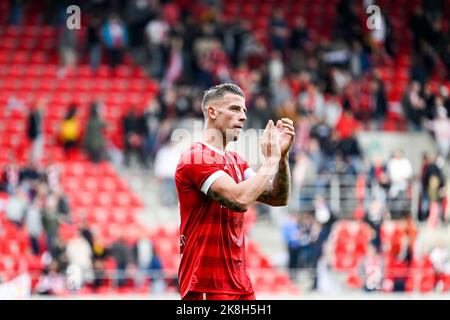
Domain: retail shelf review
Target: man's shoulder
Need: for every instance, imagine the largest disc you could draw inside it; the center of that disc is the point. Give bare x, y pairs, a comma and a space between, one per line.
198, 153
193, 149
192, 155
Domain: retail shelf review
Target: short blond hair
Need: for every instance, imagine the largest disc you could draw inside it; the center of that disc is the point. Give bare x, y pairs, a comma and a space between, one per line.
219, 91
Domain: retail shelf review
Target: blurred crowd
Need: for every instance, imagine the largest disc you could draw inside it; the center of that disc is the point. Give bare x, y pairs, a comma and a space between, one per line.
37, 204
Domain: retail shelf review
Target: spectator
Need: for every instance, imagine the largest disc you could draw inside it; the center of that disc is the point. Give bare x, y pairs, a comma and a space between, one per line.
10, 175
152, 117
157, 271
51, 221
174, 64
299, 34
93, 43
400, 172
420, 26
430, 102
122, 255
444, 91
79, 254
142, 256
115, 37
68, 47
441, 129
16, 205
165, 165
359, 60
323, 215
418, 71
94, 142
259, 113
52, 176
70, 130
413, 106
157, 39
183, 103
378, 104
306, 222
322, 132
16, 12
51, 281
291, 236
398, 263
276, 67
33, 224
333, 111
312, 101
374, 216
304, 180
134, 138
137, 13
63, 206
321, 229
347, 125
433, 186
30, 175
100, 254
446, 59
378, 178
35, 130
59, 254
279, 31
86, 232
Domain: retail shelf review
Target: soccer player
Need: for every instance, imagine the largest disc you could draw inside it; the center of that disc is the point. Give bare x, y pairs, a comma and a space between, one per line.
215, 187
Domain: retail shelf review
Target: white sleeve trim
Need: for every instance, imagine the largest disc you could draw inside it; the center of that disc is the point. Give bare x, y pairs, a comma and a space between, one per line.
211, 179
248, 173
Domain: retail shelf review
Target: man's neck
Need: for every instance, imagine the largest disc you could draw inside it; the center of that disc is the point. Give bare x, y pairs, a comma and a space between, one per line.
211, 138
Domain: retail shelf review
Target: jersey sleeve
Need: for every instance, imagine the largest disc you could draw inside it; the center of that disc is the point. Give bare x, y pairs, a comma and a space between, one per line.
248, 173
246, 170
206, 172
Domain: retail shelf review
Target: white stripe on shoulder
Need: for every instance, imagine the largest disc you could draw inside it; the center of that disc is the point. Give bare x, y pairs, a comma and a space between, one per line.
210, 180
248, 173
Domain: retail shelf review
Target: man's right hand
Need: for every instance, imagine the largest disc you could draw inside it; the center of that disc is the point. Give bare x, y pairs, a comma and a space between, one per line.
270, 142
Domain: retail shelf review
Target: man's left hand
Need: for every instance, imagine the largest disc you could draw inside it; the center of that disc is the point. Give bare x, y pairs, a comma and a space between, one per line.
286, 130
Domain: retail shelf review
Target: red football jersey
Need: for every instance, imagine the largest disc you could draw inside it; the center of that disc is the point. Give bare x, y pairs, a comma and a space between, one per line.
212, 242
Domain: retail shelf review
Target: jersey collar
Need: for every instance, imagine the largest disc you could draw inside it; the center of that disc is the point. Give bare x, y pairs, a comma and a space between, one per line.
221, 152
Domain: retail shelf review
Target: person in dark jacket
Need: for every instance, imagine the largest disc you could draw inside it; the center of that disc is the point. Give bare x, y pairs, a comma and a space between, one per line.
35, 130
94, 142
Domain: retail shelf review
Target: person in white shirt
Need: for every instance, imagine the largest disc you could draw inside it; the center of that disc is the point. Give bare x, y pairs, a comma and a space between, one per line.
166, 162
400, 172
79, 254
441, 128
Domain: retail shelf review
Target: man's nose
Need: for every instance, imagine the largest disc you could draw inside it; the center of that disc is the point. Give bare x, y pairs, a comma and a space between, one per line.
243, 116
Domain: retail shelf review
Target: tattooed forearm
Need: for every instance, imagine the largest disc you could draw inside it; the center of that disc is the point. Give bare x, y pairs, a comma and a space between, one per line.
278, 195
230, 204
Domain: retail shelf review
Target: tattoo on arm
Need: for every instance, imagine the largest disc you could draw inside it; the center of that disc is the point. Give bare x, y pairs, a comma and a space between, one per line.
230, 204
279, 193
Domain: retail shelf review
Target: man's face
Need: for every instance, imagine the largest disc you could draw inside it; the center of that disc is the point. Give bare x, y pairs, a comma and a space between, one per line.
230, 112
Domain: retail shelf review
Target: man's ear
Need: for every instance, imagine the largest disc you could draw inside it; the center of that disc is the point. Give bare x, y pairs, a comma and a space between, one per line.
212, 112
